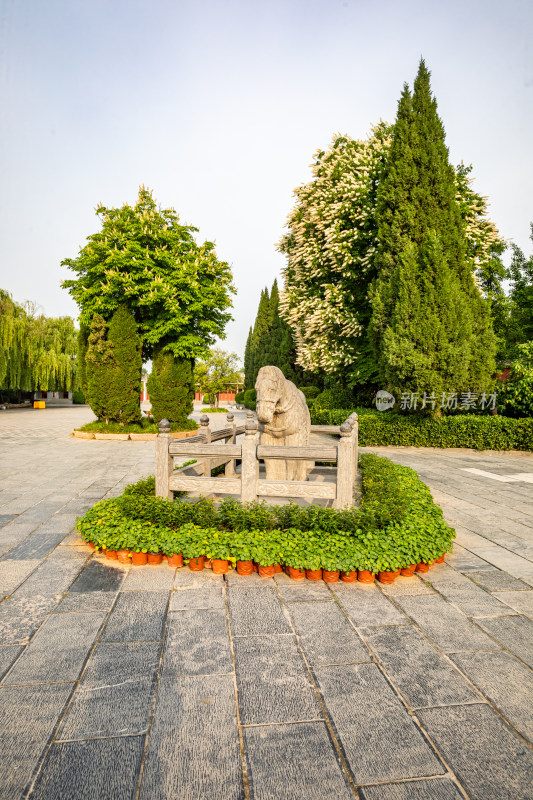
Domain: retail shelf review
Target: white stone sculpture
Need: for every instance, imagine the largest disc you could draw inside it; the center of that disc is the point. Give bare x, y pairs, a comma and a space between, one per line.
284, 419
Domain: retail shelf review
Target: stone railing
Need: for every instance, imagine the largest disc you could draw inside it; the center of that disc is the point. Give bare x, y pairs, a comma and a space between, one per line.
248, 485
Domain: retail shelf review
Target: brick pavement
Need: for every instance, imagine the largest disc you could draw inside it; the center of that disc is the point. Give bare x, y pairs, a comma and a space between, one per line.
123, 682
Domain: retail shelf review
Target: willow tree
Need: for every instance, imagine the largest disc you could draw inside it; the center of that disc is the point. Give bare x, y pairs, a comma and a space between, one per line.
36, 352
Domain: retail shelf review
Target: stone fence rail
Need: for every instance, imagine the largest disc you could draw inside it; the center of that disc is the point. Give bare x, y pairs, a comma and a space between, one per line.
213, 449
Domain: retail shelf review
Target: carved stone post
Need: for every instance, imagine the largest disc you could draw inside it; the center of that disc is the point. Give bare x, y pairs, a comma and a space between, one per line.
229, 470
163, 462
353, 419
206, 433
250, 464
345, 467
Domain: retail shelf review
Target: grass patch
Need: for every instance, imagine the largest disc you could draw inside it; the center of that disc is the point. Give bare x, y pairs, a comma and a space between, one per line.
145, 427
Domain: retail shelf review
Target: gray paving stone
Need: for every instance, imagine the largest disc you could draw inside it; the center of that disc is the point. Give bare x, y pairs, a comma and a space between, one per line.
53, 577
406, 586
8, 654
521, 601
506, 683
273, 683
137, 616
495, 580
59, 523
514, 633
232, 578
89, 601
21, 616
193, 749
198, 597
256, 611
302, 591
471, 599
420, 672
5, 518
448, 627
28, 717
435, 789
294, 762
152, 578
197, 643
325, 634
58, 651
465, 561
35, 546
100, 577
379, 737
366, 605
12, 573
185, 577
490, 761
101, 769
115, 694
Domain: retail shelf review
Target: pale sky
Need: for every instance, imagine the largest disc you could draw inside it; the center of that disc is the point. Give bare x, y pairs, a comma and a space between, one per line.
219, 107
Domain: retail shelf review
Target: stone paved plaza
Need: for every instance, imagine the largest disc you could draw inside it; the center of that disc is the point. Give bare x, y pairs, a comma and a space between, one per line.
126, 682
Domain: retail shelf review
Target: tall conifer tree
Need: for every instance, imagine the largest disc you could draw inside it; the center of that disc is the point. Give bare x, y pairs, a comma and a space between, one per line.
125, 385
430, 325
99, 369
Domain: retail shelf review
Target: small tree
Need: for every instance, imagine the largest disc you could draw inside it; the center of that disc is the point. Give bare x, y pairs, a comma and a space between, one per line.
171, 387
99, 369
217, 371
125, 384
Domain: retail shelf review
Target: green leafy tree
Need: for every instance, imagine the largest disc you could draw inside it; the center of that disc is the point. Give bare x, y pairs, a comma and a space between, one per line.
430, 326
99, 367
171, 387
213, 374
520, 325
125, 385
515, 398
178, 290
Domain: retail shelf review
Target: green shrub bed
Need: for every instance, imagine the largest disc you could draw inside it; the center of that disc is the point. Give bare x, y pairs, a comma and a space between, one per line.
145, 427
487, 432
214, 410
397, 525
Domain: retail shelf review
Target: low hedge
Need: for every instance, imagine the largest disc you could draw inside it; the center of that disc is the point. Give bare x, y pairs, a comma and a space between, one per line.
97, 426
378, 429
397, 525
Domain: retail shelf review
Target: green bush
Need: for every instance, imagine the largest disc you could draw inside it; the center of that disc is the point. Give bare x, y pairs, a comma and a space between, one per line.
310, 392
239, 398
398, 524
78, 398
378, 429
516, 394
334, 398
145, 426
171, 387
250, 397
215, 410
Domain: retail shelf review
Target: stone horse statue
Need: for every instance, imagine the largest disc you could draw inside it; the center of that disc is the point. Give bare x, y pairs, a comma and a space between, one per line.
284, 419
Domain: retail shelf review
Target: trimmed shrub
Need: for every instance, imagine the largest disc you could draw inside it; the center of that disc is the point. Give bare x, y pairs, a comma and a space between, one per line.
78, 398
379, 429
250, 396
310, 392
124, 387
334, 398
239, 398
171, 387
398, 524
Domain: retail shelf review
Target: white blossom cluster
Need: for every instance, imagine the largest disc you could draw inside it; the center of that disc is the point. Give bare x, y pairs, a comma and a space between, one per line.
330, 247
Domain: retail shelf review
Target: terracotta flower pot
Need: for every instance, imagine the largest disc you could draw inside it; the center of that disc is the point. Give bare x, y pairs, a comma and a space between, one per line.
422, 567
330, 576
245, 567
92, 545
388, 576
220, 566
408, 572
277, 569
296, 574
440, 559
266, 572
175, 560
207, 563
349, 577
124, 556
313, 574
139, 559
365, 576
197, 564
111, 554
155, 558
256, 567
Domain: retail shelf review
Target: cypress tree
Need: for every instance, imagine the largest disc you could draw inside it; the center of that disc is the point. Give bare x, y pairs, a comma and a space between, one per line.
125, 384
430, 325
171, 387
83, 344
248, 371
99, 369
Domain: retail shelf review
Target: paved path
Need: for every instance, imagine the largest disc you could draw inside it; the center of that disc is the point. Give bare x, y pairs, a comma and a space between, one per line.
123, 682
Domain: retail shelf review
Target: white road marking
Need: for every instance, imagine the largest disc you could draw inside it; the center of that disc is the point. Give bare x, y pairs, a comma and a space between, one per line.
521, 477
